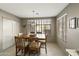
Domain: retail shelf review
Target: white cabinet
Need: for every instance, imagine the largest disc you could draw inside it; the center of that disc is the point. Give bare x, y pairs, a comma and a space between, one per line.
16, 29
7, 33
10, 29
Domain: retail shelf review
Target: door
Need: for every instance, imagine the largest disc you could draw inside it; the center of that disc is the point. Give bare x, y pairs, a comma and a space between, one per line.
62, 30
7, 33
16, 29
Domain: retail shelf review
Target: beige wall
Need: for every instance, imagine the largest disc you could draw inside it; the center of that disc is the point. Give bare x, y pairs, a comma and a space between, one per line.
53, 30
51, 34
24, 29
72, 40
0, 33
6, 15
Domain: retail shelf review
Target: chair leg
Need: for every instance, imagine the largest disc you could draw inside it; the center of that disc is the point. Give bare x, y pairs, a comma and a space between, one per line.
39, 51
29, 52
46, 48
24, 51
16, 51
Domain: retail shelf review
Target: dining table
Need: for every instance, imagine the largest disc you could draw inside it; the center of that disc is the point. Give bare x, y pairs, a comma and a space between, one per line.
38, 36
27, 38
41, 36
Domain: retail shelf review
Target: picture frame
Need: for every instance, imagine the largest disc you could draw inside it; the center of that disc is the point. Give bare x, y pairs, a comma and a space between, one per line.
73, 23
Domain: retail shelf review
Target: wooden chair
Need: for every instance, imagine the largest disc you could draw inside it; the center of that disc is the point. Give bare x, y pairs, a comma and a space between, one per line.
34, 46
39, 32
32, 32
21, 45
44, 43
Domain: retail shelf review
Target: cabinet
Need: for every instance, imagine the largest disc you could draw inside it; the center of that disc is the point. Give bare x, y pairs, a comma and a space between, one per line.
8, 29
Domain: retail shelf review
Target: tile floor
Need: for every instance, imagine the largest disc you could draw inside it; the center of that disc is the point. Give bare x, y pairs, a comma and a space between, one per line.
52, 50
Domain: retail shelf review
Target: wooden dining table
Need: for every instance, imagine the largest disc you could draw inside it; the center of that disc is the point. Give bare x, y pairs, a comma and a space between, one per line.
38, 36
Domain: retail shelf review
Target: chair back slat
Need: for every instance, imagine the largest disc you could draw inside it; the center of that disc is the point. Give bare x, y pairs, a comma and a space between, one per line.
19, 42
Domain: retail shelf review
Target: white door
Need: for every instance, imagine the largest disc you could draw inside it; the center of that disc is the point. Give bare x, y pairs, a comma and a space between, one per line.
16, 29
7, 33
62, 29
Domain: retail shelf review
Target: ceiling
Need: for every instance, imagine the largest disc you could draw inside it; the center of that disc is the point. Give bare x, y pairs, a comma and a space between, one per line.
24, 10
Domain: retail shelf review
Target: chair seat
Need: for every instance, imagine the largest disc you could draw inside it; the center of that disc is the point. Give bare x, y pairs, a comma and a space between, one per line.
35, 45
34, 48
43, 41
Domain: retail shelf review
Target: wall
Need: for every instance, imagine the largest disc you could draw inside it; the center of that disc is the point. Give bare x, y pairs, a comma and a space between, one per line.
6, 15
51, 34
72, 40
53, 30
24, 29
0, 33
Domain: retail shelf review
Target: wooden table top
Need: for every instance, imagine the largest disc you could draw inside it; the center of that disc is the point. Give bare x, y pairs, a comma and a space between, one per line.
39, 36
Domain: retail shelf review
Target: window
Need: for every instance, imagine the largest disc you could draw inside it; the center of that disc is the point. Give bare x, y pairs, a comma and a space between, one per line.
39, 25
